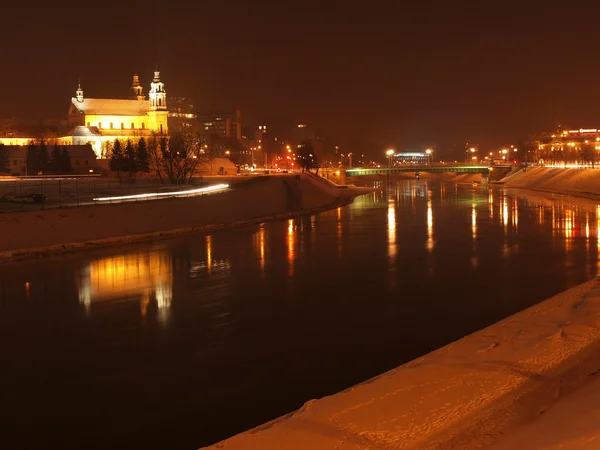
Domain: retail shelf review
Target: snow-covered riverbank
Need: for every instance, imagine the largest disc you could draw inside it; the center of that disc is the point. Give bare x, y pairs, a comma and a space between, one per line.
464, 395
576, 182
31, 233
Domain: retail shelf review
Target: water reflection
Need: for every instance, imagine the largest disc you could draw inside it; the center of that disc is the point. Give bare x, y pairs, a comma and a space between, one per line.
430, 243
291, 247
339, 233
391, 226
146, 277
387, 285
209, 260
259, 247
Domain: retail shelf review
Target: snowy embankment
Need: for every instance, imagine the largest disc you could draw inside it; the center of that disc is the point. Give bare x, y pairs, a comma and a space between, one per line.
465, 395
576, 182
31, 233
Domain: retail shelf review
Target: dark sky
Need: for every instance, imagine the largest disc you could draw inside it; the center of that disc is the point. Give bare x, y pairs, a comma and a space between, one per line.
370, 73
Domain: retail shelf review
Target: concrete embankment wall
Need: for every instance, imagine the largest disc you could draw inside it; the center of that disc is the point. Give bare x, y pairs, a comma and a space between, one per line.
30, 233
579, 182
465, 395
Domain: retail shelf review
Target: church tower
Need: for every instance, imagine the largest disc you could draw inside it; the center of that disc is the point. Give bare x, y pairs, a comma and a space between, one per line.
158, 105
158, 96
79, 93
136, 88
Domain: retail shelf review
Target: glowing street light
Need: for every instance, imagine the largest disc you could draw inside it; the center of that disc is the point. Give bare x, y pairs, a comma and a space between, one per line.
428, 152
389, 154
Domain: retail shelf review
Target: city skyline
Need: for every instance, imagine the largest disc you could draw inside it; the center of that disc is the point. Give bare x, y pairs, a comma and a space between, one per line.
404, 76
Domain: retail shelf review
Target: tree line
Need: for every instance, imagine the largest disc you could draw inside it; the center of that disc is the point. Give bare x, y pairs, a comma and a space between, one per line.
40, 158
131, 159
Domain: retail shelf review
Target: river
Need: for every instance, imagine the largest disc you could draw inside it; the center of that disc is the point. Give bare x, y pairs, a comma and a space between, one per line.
180, 343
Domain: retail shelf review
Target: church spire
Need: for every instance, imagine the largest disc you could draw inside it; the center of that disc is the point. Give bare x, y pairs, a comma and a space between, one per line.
136, 88
158, 96
79, 92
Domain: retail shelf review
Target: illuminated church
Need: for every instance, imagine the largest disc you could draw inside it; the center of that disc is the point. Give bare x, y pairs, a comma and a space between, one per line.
99, 121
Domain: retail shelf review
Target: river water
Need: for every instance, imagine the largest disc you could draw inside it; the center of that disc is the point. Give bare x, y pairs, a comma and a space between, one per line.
177, 344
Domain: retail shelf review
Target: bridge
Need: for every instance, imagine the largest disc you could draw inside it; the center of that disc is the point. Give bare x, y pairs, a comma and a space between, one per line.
432, 169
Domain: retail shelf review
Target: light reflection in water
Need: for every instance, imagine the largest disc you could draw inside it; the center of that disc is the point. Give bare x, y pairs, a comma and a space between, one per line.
505, 214
209, 260
491, 204
141, 275
430, 243
568, 227
291, 247
391, 223
473, 222
515, 214
259, 246
474, 259
339, 232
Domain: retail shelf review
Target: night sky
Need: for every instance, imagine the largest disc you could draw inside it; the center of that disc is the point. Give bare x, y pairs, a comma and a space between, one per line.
370, 74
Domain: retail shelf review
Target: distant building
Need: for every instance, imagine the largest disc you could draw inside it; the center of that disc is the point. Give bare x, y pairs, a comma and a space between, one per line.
411, 158
575, 146
182, 114
110, 119
223, 124
99, 121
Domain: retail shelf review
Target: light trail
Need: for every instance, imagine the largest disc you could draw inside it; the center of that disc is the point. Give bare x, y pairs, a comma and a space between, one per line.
214, 188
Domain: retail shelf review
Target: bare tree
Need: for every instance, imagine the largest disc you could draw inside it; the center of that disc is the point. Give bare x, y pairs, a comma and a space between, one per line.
176, 158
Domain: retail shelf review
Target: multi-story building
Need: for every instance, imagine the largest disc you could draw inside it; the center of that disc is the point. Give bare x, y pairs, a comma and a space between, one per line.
565, 147
99, 121
410, 157
222, 124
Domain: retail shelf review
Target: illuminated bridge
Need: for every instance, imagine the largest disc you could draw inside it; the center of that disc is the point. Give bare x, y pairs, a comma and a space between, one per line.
432, 169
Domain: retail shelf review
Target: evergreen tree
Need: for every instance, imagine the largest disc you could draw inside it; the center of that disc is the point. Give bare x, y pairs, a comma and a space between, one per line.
65, 161
32, 159
4, 161
142, 156
130, 160
42, 157
116, 160
55, 161
306, 157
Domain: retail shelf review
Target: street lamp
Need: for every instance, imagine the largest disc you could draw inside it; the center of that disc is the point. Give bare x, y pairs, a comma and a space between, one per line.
389, 154
428, 152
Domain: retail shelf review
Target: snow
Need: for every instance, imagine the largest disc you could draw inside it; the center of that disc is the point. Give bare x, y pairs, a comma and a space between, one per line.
577, 182
28, 233
572, 424
464, 395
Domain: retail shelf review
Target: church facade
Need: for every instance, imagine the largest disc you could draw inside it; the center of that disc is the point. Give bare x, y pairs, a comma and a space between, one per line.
99, 121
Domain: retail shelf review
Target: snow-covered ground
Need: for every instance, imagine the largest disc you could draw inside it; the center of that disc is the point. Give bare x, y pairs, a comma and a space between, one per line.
30, 233
572, 424
465, 395
579, 182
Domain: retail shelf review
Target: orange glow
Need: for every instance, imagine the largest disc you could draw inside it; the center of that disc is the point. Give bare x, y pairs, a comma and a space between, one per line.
140, 275
209, 259
391, 225
291, 247
430, 243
